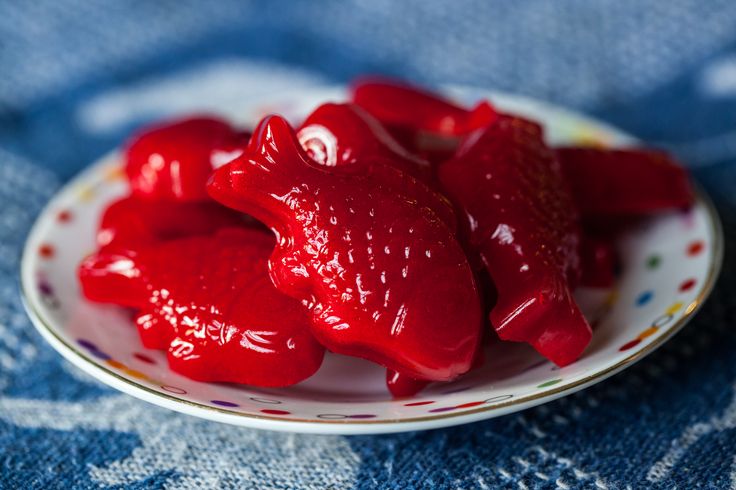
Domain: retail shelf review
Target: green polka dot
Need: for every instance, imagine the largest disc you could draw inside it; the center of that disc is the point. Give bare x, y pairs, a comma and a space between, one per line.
549, 383
654, 261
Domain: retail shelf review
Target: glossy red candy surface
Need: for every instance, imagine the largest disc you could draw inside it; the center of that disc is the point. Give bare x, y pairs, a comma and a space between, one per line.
382, 274
133, 222
173, 161
424, 122
403, 386
524, 224
395, 103
208, 301
614, 183
346, 136
343, 134
400, 220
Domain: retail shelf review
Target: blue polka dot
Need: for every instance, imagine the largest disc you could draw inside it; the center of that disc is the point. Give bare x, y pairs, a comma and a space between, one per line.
223, 403
644, 298
87, 344
92, 348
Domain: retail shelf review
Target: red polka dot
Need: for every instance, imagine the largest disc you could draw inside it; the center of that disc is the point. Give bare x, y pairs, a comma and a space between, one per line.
416, 404
470, 404
687, 285
64, 216
695, 248
46, 251
629, 345
144, 358
275, 412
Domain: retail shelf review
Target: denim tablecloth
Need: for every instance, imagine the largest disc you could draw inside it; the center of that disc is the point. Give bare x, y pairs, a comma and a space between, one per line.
76, 75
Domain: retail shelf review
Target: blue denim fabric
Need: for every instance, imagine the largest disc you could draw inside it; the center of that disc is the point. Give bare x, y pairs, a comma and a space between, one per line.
76, 76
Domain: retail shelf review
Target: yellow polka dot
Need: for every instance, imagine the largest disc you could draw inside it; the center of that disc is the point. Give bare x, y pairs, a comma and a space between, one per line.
647, 333
113, 173
86, 194
115, 364
674, 308
135, 374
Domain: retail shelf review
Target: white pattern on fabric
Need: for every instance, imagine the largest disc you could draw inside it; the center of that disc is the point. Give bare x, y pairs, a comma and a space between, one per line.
201, 454
607, 54
690, 436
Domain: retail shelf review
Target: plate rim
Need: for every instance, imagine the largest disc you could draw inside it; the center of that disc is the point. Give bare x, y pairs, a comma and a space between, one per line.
344, 427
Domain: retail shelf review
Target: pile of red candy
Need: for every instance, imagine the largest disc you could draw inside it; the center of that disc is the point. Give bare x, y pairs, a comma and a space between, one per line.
399, 228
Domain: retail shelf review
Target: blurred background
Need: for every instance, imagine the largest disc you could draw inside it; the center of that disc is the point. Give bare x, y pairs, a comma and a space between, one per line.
77, 75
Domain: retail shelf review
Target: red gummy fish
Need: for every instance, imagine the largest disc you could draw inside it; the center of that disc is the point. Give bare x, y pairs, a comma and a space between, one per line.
624, 183
424, 122
168, 166
612, 187
380, 271
208, 301
344, 134
133, 222
524, 224
172, 161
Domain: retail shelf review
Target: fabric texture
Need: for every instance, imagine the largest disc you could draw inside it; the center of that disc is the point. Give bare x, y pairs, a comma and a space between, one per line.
78, 75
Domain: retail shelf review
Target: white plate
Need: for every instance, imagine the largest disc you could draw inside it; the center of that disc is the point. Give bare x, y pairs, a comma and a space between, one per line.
669, 266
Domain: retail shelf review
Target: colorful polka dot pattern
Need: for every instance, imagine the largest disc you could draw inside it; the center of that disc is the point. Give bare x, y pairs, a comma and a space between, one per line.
125, 369
694, 249
95, 351
98, 353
